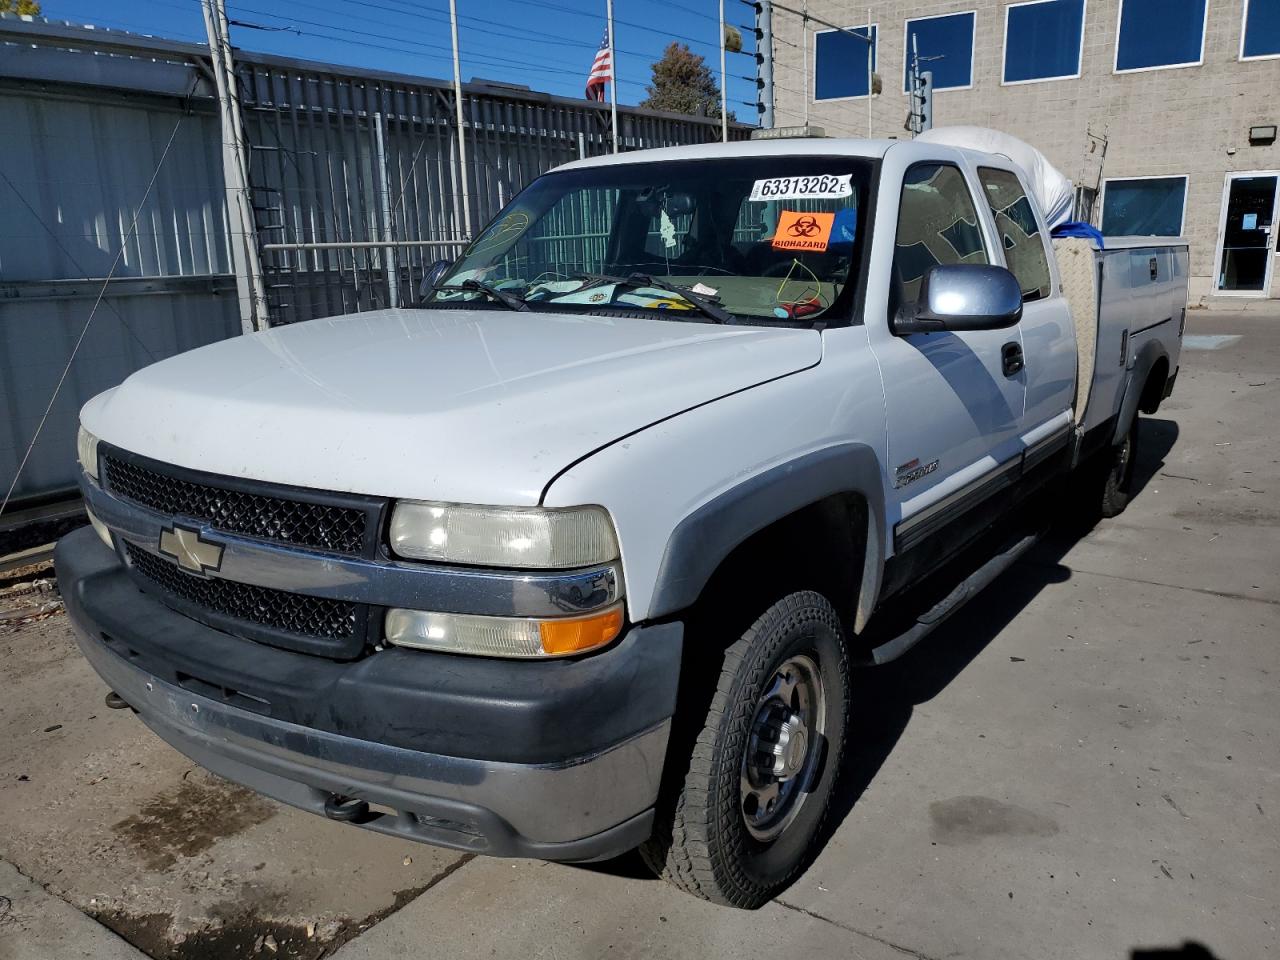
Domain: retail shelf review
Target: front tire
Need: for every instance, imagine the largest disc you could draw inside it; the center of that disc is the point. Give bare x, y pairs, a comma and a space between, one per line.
743, 824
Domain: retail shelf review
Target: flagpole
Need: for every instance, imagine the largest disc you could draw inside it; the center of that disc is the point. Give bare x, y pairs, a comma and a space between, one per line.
462, 134
724, 94
613, 82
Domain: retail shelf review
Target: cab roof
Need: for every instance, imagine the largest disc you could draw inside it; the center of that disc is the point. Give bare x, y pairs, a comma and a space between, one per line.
797, 147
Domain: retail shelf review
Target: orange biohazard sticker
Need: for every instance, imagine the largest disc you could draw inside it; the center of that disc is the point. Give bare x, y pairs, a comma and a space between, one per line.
803, 231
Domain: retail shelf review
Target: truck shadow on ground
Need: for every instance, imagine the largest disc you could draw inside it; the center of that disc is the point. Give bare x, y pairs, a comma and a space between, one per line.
1190, 950
884, 697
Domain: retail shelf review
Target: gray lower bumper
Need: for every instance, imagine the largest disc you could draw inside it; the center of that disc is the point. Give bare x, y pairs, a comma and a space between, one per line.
592, 808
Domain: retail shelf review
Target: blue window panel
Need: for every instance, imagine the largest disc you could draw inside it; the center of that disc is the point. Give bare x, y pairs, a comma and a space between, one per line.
1159, 33
1042, 40
1262, 29
950, 38
1144, 208
840, 63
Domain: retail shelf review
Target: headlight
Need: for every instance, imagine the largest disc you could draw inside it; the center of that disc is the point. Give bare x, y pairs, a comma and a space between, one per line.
520, 537
87, 452
502, 636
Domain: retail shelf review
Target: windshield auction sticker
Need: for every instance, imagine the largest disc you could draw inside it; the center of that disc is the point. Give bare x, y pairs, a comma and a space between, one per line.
798, 230
823, 186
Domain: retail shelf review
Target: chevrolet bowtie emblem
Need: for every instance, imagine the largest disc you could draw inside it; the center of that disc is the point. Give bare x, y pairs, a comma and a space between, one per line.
192, 553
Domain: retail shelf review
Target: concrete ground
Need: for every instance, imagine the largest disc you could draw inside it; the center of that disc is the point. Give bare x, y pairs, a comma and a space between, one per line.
1083, 763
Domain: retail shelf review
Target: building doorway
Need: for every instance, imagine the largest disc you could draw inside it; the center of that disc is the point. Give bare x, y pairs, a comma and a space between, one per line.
1247, 234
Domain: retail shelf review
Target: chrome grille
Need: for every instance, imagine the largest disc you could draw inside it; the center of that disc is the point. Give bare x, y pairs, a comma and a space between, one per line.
316, 524
294, 614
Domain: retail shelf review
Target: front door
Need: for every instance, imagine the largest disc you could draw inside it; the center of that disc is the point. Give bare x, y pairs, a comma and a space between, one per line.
1247, 234
954, 407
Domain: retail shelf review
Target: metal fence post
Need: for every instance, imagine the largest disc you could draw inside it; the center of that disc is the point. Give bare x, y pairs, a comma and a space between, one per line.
390, 265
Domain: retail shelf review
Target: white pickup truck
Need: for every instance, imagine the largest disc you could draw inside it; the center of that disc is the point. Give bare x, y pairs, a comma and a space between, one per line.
577, 555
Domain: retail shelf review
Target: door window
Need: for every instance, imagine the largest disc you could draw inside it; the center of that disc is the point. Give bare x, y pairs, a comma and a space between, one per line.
1246, 236
1018, 231
937, 224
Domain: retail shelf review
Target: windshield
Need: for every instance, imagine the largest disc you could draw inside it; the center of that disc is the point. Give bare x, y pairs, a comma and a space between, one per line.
755, 240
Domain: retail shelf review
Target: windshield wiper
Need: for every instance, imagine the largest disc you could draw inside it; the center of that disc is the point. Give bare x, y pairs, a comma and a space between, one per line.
708, 308
509, 300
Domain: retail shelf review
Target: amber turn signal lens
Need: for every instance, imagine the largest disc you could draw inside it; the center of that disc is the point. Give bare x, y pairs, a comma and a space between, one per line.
573, 635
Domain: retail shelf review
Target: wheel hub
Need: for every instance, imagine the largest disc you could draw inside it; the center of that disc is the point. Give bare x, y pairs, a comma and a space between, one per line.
781, 748
792, 746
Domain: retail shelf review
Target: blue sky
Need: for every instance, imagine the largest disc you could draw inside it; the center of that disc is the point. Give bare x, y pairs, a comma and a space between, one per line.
545, 44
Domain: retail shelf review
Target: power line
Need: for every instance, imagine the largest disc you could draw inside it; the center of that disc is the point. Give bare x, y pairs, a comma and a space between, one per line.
334, 32
531, 36
690, 10
579, 13
345, 33
626, 23
481, 59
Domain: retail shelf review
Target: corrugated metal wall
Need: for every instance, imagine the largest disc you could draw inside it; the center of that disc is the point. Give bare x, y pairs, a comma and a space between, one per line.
75, 171
84, 118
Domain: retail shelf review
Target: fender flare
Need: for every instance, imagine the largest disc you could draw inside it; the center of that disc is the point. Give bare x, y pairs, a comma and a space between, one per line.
704, 538
1148, 354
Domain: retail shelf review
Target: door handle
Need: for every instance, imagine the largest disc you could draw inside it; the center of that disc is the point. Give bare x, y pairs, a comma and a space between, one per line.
1011, 358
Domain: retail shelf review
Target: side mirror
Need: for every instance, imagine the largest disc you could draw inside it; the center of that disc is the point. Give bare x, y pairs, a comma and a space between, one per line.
435, 273
962, 296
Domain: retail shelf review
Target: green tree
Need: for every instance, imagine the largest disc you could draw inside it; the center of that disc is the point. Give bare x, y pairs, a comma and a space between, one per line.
683, 83
25, 8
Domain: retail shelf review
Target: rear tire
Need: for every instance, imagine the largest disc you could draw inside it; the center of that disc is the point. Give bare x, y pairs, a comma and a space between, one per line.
742, 825
1118, 483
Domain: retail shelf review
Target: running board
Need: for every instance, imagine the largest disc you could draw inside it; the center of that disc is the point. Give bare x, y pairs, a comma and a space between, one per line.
968, 588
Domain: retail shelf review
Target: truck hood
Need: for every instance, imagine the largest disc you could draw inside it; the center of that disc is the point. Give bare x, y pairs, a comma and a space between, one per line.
462, 405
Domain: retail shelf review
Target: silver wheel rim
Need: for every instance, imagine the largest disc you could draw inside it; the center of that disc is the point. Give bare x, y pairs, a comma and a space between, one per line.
783, 748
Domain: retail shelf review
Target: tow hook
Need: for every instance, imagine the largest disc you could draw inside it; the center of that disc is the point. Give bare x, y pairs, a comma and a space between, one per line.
345, 809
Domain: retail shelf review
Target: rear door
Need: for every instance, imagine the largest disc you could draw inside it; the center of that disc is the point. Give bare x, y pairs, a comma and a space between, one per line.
954, 413
1048, 334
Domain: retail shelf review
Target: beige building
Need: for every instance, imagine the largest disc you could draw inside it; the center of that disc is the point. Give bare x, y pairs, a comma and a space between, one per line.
1163, 111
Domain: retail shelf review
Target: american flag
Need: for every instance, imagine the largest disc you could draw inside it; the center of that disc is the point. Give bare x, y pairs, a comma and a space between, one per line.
601, 70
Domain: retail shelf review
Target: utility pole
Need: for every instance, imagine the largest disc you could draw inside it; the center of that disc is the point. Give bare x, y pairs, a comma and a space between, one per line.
920, 118
245, 259
764, 61
462, 129
724, 89
804, 43
866, 37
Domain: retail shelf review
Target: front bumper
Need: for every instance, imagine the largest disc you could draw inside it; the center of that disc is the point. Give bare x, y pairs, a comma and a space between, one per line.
561, 761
